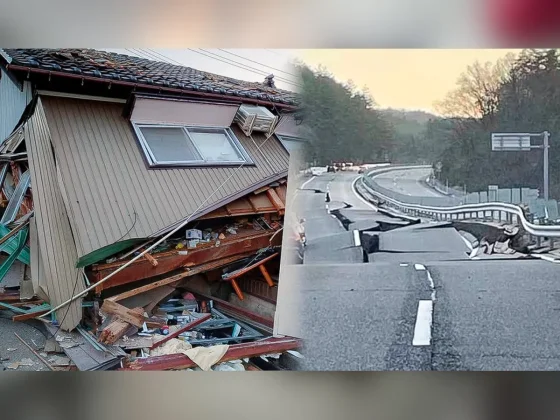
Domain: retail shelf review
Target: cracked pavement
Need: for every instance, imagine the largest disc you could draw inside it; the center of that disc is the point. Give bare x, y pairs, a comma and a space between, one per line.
361, 312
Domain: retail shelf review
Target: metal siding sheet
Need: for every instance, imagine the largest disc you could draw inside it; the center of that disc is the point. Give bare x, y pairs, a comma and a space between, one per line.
157, 111
12, 104
106, 178
54, 235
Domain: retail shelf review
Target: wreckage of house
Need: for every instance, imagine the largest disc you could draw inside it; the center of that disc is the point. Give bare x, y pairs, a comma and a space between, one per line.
104, 154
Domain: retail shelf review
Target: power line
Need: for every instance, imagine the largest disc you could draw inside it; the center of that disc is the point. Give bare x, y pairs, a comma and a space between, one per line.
241, 65
245, 67
256, 62
153, 55
250, 68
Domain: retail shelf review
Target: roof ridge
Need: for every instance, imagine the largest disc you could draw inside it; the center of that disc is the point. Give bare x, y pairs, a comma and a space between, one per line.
117, 66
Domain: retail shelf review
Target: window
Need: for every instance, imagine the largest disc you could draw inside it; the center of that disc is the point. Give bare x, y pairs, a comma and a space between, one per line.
190, 146
291, 143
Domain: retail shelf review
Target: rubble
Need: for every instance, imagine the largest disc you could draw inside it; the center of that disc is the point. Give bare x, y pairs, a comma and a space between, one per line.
124, 256
182, 306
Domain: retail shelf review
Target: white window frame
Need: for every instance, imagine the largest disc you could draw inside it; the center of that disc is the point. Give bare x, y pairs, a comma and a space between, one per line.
233, 140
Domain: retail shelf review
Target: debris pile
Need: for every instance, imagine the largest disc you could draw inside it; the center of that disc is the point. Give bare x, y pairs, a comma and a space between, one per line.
202, 299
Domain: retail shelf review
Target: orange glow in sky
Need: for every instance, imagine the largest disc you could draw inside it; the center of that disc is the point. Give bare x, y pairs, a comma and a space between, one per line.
408, 79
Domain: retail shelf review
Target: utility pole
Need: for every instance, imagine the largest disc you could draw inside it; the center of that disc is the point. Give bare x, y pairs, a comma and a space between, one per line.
546, 136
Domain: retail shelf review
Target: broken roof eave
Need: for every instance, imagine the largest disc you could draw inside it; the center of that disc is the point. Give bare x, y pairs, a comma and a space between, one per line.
135, 85
223, 202
112, 249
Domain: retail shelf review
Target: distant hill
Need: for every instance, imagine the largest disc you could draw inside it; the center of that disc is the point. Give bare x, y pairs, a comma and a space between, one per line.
420, 117
406, 122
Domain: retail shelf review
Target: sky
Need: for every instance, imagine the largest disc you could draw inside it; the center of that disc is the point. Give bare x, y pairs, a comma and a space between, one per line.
401, 78
396, 78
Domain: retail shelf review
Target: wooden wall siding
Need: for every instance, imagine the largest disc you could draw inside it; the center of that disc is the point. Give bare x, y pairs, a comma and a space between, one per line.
12, 104
57, 251
153, 111
112, 195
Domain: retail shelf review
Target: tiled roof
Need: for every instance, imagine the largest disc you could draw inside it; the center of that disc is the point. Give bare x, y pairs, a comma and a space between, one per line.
120, 67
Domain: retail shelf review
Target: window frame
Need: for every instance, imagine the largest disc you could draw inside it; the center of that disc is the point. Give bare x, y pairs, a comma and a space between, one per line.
227, 131
281, 138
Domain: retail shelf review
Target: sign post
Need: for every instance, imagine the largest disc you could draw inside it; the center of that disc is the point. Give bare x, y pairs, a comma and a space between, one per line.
521, 142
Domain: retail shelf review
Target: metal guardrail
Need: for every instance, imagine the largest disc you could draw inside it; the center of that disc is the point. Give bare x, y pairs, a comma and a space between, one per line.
448, 207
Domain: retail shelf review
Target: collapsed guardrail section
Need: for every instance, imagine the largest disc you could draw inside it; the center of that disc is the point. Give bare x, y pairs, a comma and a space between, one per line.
448, 208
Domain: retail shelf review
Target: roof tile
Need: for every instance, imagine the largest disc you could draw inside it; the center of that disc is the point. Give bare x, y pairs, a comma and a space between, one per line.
113, 66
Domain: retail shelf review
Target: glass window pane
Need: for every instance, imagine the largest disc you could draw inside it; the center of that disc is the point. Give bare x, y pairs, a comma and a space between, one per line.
215, 146
169, 144
291, 144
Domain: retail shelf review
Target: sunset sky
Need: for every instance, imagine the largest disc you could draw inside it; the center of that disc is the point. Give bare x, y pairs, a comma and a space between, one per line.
396, 78
408, 79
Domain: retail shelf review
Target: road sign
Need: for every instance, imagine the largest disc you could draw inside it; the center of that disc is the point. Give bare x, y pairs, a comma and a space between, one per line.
503, 142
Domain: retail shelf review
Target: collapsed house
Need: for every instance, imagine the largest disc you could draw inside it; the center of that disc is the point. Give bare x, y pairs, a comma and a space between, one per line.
141, 199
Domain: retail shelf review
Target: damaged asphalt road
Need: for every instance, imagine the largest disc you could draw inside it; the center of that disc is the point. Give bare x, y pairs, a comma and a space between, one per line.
406, 296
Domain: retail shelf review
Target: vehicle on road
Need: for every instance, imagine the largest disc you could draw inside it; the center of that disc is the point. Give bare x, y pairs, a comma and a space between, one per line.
316, 172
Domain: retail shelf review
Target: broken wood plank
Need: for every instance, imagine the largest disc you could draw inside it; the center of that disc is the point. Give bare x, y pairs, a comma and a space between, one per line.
24, 304
125, 314
275, 199
172, 260
116, 329
181, 330
234, 352
151, 259
155, 324
266, 276
238, 273
261, 190
154, 285
29, 315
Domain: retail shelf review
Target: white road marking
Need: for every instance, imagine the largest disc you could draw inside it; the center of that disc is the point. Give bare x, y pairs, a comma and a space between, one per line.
469, 245
546, 258
423, 327
357, 241
359, 196
307, 182
403, 264
432, 286
474, 253
419, 267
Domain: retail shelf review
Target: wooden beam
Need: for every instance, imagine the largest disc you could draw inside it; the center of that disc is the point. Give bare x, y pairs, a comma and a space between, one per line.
242, 271
171, 261
276, 200
261, 190
234, 352
29, 315
131, 316
116, 329
176, 278
266, 276
151, 259
181, 330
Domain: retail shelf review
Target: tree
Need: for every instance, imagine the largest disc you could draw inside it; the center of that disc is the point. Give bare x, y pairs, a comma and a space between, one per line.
346, 124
